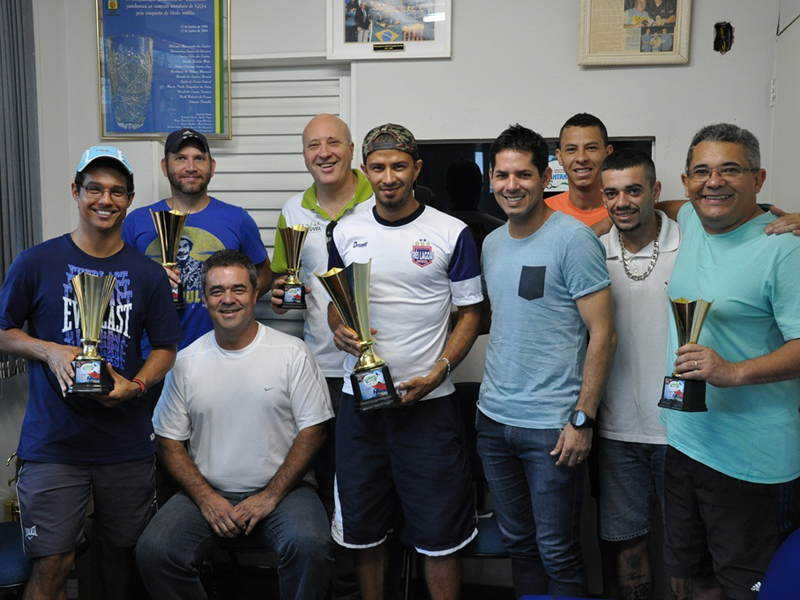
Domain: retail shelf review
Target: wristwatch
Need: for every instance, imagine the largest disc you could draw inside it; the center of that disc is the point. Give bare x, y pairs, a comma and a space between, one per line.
579, 419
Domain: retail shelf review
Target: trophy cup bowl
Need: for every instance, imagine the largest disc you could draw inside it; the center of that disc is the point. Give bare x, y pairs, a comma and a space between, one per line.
169, 227
687, 395
93, 293
130, 77
371, 380
294, 292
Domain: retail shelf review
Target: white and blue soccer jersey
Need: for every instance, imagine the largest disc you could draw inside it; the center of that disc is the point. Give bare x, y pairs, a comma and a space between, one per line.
421, 266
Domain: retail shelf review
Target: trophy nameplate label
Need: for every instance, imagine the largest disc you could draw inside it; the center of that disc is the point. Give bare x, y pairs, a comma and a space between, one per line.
373, 388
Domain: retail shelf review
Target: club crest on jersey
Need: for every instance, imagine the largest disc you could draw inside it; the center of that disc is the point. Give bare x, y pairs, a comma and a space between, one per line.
422, 253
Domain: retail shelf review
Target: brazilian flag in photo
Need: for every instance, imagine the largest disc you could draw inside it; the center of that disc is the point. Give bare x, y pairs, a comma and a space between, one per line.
386, 34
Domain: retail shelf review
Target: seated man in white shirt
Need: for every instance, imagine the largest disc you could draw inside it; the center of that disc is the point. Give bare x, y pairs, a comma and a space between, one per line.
239, 422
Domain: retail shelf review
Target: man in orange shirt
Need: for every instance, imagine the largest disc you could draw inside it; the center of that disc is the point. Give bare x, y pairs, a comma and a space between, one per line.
582, 146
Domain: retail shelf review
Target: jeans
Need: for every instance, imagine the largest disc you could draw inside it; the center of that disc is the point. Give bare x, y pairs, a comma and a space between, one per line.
178, 539
538, 507
631, 477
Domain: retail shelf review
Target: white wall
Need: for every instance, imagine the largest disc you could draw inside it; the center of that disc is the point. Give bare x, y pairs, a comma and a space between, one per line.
512, 60
515, 60
781, 181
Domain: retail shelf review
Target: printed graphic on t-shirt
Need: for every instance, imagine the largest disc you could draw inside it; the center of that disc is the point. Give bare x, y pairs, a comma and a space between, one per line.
422, 253
115, 332
195, 247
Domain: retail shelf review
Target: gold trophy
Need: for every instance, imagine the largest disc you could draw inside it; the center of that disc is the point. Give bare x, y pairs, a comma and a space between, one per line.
169, 226
294, 292
349, 289
93, 293
687, 395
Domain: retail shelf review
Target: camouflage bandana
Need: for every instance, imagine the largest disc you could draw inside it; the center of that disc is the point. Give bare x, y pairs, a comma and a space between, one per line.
402, 140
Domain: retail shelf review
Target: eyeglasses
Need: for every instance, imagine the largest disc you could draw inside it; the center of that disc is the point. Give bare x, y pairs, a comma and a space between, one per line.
95, 192
728, 173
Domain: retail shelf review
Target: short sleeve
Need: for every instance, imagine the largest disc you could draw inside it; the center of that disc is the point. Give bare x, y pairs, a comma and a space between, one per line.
162, 324
251, 239
16, 295
585, 269
784, 292
464, 271
171, 418
310, 400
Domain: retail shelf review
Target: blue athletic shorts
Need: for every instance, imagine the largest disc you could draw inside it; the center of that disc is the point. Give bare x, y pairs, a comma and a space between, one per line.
415, 454
53, 500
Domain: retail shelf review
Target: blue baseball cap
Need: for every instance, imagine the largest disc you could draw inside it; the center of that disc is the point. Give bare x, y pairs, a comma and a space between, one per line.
96, 152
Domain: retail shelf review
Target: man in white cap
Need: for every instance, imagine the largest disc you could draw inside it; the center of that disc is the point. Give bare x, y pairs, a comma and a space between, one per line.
74, 444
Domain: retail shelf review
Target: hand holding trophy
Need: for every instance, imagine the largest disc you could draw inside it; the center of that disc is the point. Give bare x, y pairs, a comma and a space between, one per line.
687, 395
371, 380
169, 226
93, 293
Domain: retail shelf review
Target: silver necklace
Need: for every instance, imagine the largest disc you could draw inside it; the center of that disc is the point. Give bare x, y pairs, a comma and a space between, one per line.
626, 260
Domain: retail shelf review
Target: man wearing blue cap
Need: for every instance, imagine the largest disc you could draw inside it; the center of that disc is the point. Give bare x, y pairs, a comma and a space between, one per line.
70, 443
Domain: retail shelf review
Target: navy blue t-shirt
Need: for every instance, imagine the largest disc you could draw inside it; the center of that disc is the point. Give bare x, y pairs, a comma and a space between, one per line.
38, 290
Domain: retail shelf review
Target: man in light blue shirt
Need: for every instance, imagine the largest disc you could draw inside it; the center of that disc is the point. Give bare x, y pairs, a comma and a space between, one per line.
546, 278
731, 490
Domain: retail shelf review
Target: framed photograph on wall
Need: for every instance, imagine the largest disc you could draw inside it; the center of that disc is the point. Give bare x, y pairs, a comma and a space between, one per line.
164, 66
386, 29
634, 32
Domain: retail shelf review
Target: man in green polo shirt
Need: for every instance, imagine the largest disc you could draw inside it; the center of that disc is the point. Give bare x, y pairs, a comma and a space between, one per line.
338, 191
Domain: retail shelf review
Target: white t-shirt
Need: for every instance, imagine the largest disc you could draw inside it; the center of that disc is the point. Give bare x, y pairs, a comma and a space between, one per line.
629, 411
241, 410
421, 266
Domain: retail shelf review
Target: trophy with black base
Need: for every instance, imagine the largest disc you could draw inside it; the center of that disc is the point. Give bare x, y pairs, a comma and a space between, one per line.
169, 226
687, 395
371, 380
93, 293
294, 292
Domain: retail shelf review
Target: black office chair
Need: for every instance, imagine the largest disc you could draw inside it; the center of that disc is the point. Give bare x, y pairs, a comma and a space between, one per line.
15, 567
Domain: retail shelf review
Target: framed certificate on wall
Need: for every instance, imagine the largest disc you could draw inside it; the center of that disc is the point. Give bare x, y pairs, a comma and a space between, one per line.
634, 32
164, 65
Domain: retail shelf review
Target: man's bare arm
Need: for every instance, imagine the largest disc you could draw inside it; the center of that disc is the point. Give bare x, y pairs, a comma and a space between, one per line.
159, 361
296, 464
671, 207
597, 312
57, 356
785, 223
458, 346
218, 511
